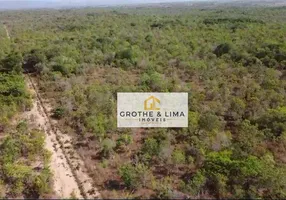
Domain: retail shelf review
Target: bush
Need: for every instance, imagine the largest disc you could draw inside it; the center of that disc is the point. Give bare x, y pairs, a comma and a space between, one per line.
42, 183
195, 185
65, 65
125, 54
13, 62
98, 125
151, 146
222, 49
273, 122
178, 157
10, 150
123, 140
34, 61
107, 146
18, 150
129, 176
134, 176
164, 188
58, 113
209, 122
154, 81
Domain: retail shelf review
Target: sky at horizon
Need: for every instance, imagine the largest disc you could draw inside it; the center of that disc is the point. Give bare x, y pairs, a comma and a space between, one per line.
26, 4
98, 1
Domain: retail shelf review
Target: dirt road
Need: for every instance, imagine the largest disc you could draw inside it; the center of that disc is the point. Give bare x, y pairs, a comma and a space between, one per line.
7, 32
70, 175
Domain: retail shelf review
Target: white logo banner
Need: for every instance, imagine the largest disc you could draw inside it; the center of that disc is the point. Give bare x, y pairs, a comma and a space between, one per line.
152, 110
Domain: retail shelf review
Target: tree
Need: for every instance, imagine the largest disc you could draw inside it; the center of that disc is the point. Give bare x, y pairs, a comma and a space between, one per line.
273, 122
222, 49
107, 146
134, 176
194, 186
13, 62
209, 122
178, 157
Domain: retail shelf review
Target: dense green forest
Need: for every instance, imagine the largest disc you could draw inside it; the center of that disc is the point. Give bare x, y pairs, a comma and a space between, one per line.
231, 61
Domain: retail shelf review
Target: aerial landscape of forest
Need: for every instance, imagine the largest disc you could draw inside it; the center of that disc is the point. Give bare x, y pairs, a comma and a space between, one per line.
61, 70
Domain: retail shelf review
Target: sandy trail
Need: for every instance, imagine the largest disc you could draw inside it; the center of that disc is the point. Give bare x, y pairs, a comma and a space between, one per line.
70, 174
7, 32
64, 182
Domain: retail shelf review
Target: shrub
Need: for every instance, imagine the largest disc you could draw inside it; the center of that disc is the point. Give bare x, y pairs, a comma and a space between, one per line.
222, 49
195, 185
123, 140
134, 176
98, 125
178, 157
63, 64
274, 120
107, 146
164, 188
42, 182
125, 54
13, 62
151, 146
58, 113
209, 122
154, 81
129, 176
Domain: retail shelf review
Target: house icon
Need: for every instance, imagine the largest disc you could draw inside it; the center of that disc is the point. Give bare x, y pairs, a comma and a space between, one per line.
150, 103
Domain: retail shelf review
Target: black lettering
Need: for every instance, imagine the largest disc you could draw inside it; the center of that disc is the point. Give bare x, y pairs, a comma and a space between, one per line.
175, 114
134, 114
145, 114
128, 114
